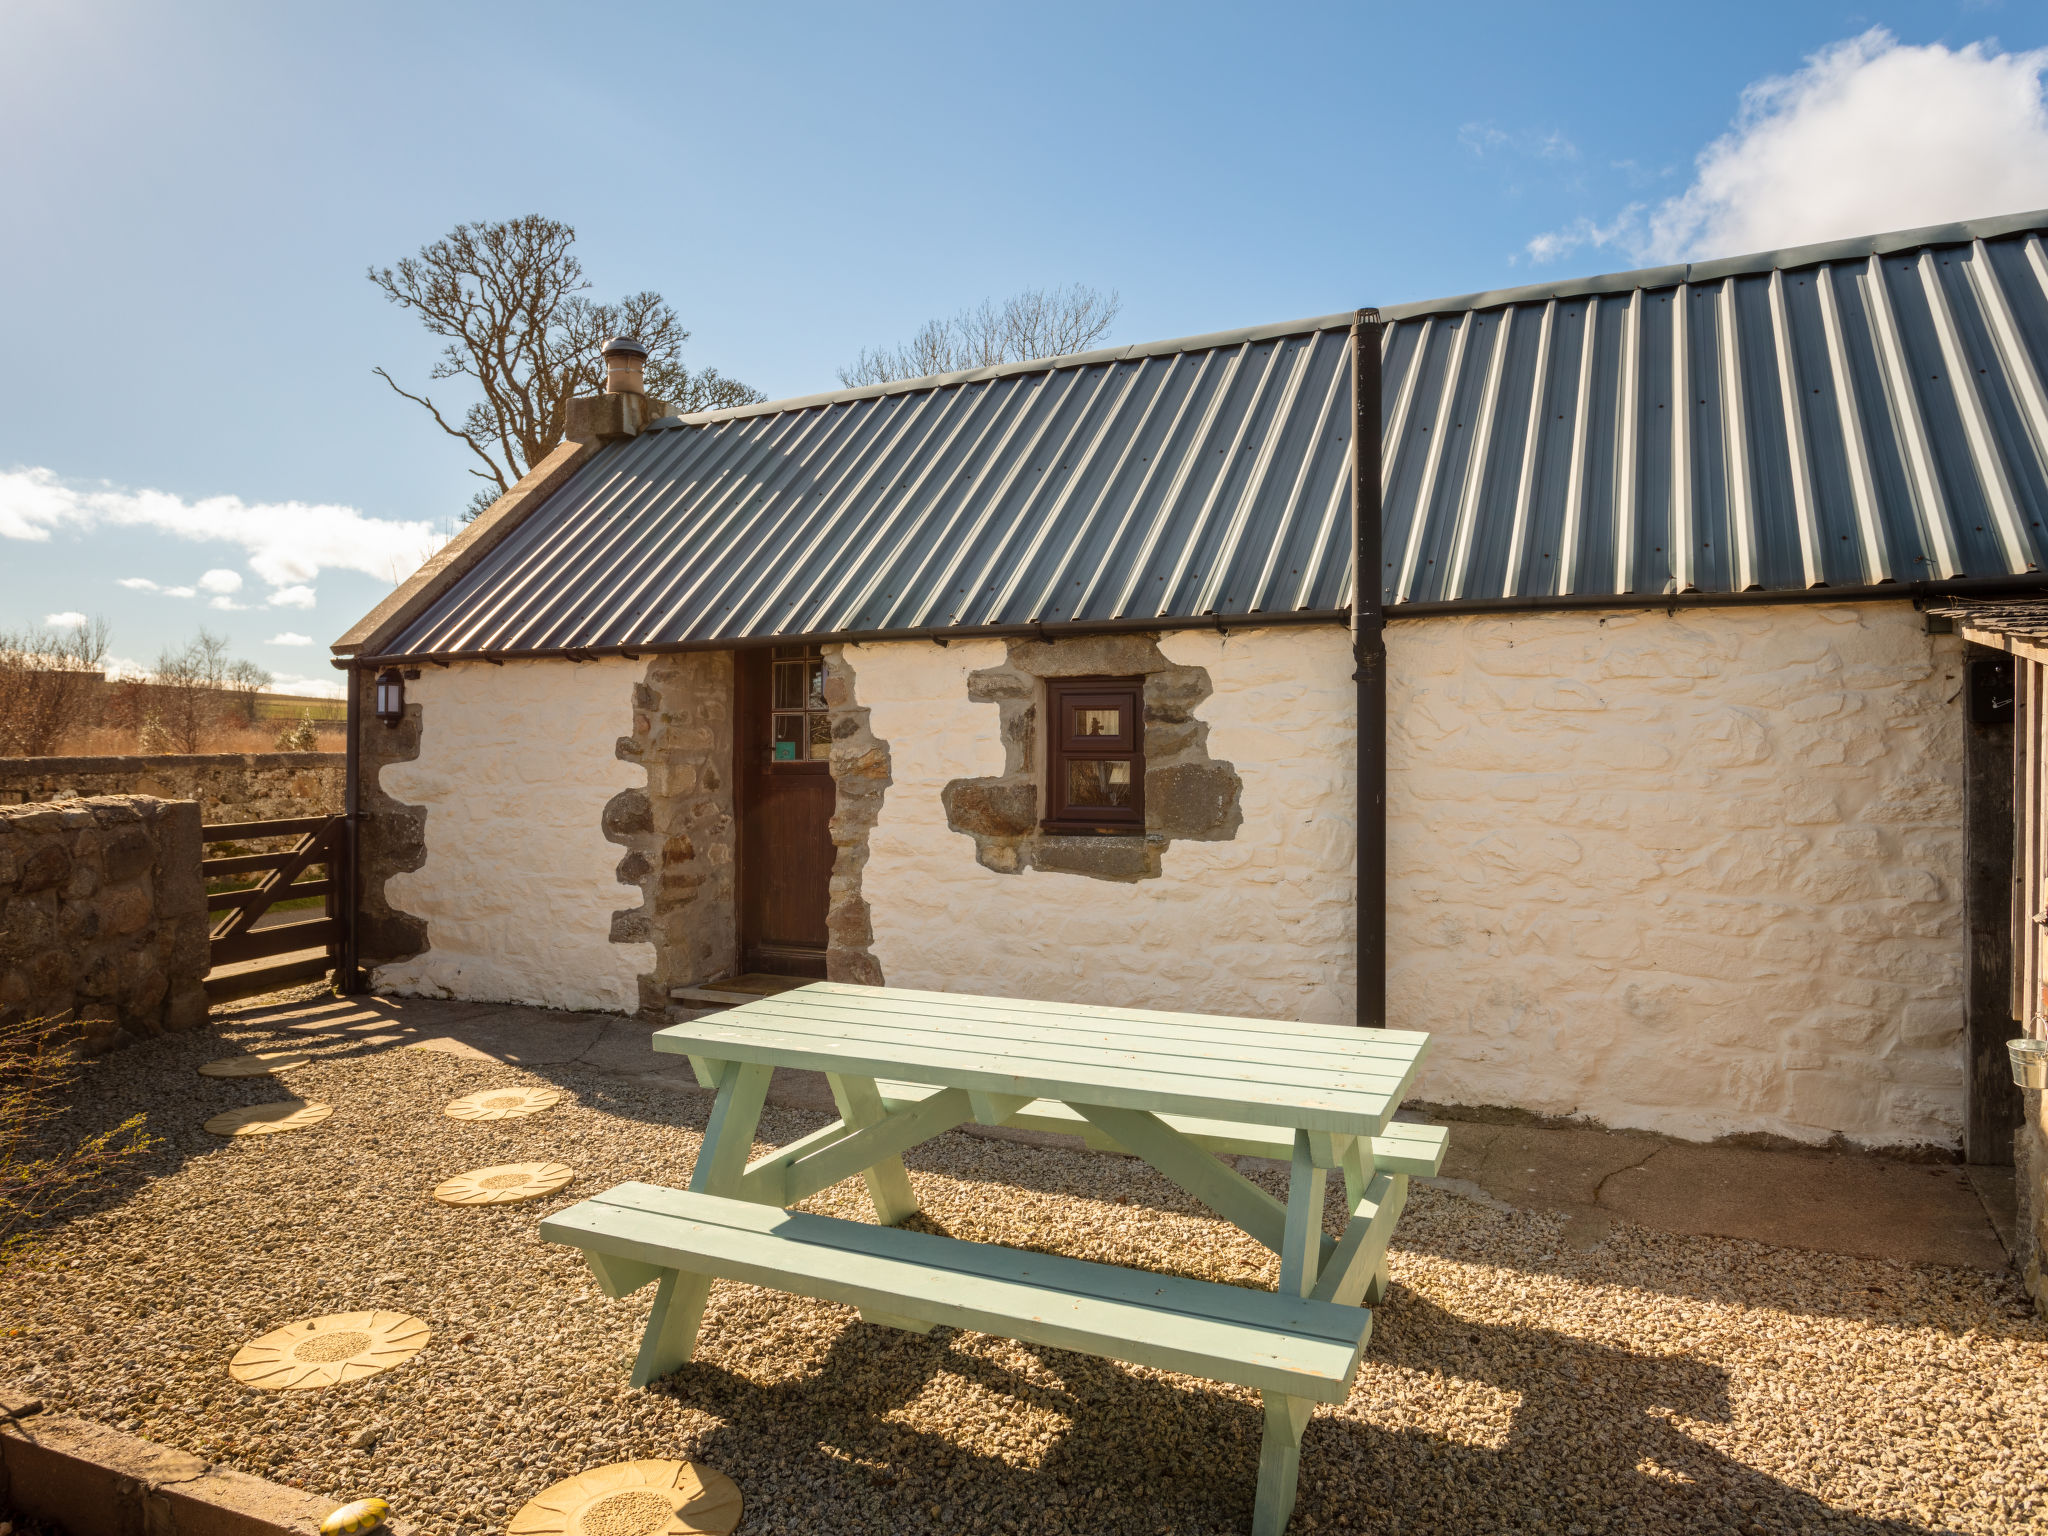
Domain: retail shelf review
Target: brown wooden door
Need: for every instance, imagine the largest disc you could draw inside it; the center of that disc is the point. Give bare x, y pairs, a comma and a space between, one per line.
786, 797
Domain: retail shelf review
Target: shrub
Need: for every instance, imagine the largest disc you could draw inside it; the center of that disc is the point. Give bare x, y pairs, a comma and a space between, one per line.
303, 737
40, 1176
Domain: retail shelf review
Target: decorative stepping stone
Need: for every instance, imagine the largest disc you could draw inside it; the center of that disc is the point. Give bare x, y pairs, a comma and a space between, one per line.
322, 1351
504, 1184
269, 1119
502, 1103
255, 1064
635, 1498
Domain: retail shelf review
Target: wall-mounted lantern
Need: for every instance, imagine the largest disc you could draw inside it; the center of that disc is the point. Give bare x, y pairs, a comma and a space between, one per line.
390, 696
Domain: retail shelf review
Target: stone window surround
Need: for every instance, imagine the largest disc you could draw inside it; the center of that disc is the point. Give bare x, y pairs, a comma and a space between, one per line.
1187, 793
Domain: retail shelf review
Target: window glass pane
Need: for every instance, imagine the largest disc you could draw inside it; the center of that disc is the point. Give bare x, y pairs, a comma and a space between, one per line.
821, 735
816, 700
783, 652
1104, 782
789, 685
789, 738
1098, 722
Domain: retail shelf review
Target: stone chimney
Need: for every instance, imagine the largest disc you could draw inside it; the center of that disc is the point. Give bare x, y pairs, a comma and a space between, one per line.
624, 409
625, 367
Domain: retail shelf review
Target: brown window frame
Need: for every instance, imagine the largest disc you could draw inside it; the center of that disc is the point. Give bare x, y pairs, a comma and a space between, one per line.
1061, 748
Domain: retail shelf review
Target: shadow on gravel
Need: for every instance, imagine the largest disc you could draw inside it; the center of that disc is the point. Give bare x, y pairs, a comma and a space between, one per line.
1595, 1444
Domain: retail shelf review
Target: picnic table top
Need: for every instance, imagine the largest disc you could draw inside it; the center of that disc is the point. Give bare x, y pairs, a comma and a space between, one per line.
1316, 1077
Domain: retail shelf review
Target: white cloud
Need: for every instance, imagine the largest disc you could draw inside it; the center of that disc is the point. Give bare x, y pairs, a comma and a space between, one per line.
227, 605
287, 543
287, 637
1871, 135
221, 581
329, 687
69, 619
292, 597
179, 591
139, 584
1489, 138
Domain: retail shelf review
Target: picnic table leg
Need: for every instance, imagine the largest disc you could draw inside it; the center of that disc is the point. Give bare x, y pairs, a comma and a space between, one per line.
860, 1106
1279, 1462
1301, 1249
671, 1336
1357, 1165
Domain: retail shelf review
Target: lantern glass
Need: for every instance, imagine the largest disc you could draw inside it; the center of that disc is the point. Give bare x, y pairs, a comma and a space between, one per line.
390, 697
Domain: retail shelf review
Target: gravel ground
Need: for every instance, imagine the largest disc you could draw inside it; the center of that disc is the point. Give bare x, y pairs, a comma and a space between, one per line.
1654, 1384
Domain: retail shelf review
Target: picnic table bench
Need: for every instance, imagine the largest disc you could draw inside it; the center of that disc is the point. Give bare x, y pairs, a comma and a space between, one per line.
1173, 1089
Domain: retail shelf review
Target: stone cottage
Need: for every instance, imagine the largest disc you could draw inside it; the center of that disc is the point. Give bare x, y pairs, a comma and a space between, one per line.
1039, 680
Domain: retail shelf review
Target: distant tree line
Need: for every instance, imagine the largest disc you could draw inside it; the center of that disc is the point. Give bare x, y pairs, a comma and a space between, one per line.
54, 687
1039, 322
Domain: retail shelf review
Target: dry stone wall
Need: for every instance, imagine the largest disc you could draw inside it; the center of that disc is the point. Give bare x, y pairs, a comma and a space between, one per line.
103, 916
229, 786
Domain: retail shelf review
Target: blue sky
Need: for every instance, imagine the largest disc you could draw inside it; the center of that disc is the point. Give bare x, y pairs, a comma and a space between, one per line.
194, 192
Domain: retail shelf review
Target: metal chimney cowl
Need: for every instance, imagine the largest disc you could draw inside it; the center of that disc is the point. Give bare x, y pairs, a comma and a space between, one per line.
625, 366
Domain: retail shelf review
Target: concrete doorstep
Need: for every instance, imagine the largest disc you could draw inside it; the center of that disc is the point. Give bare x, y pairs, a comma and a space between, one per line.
87, 1480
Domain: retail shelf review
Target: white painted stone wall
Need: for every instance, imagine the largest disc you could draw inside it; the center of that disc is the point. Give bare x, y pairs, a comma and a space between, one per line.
516, 764
1260, 925
1694, 872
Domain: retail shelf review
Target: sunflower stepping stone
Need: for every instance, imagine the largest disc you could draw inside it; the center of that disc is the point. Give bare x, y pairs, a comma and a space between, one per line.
269, 1119
502, 1103
504, 1184
255, 1064
324, 1351
635, 1498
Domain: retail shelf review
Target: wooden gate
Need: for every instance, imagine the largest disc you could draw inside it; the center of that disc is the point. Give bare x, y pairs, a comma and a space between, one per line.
259, 938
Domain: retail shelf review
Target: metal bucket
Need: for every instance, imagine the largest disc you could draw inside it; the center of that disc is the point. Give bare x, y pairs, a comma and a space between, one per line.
2029, 1062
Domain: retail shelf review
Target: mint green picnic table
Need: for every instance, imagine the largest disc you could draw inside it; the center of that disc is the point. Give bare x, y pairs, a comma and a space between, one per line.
1175, 1089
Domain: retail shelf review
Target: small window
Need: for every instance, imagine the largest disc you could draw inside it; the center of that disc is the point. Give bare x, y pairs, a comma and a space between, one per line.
1095, 755
802, 730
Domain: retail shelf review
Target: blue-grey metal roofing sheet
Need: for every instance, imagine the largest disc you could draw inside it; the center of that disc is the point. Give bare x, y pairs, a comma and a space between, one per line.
1845, 416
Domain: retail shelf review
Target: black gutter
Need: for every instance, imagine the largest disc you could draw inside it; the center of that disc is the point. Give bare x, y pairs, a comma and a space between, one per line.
1369, 654
348, 976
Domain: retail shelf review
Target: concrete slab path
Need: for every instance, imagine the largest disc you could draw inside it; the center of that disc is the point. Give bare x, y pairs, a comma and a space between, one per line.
1828, 1201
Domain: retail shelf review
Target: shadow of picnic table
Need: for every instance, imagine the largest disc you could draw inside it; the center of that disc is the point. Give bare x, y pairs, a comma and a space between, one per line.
882, 1434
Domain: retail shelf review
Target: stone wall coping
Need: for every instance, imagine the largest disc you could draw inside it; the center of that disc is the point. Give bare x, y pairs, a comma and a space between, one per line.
96, 810
16, 766
95, 1481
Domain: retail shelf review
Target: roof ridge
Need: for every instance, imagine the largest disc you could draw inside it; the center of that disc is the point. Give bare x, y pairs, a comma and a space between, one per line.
1669, 276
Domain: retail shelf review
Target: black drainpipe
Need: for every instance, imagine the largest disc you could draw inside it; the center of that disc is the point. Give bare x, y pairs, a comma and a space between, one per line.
348, 976
1369, 652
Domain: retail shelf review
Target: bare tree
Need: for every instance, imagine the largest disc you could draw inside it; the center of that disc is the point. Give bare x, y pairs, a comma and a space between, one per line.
49, 686
196, 688
507, 297
1039, 322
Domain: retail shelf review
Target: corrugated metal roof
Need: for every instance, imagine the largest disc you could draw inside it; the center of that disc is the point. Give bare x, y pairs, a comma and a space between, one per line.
1847, 415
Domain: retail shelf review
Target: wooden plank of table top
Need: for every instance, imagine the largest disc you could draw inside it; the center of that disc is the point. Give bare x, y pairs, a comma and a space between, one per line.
1340, 1035
1357, 1111
993, 1016
1033, 1050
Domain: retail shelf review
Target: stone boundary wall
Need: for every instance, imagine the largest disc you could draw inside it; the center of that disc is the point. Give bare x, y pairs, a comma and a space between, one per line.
103, 916
229, 786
